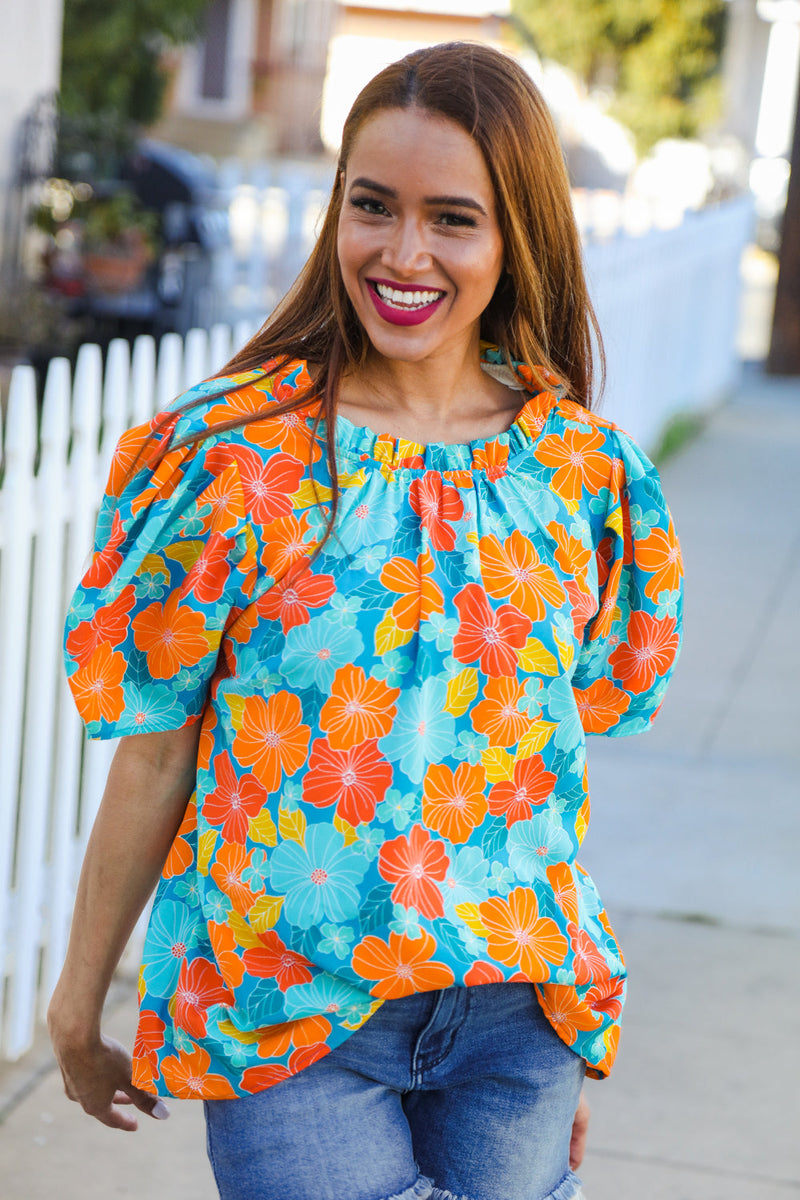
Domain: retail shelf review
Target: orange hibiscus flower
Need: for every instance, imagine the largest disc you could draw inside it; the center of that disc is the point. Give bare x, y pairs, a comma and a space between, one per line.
493, 637
290, 600
483, 972
226, 871
171, 636
359, 708
498, 716
518, 935
514, 799
272, 739
234, 800
571, 554
187, 1077
149, 1040
660, 556
180, 855
268, 485
566, 1012
606, 997
273, 960
355, 780
97, 687
578, 460
436, 504
199, 986
649, 651
109, 624
514, 571
414, 864
276, 1039
402, 966
588, 962
492, 458
209, 574
420, 596
601, 705
107, 561
565, 893
285, 542
453, 803
226, 952
223, 495
584, 607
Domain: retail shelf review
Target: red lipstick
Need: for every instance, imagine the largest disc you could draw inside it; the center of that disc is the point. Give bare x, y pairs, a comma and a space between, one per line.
409, 315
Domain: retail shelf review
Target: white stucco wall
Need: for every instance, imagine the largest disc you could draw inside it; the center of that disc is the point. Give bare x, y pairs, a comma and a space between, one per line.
30, 58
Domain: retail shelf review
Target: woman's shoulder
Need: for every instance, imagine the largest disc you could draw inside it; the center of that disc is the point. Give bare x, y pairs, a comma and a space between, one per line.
224, 406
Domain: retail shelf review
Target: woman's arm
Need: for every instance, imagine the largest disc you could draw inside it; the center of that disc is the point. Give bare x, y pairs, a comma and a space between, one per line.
149, 784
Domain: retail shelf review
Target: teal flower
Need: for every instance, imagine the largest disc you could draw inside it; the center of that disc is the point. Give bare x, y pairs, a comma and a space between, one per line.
291, 795
440, 630
667, 604
217, 907
196, 524
501, 879
531, 700
370, 559
466, 880
188, 889
370, 840
171, 933
406, 922
329, 995
150, 585
152, 709
563, 709
470, 746
346, 608
535, 845
183, 1042
397, 809
256, 874
642, 522
393, 667
314, 652
336, 940
319, 879
423, 733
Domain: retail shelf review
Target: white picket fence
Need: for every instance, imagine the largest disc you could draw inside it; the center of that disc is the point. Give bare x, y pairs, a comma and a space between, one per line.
668, 306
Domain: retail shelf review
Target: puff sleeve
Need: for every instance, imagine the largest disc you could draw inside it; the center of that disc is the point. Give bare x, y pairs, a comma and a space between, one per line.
631, 645
174, 556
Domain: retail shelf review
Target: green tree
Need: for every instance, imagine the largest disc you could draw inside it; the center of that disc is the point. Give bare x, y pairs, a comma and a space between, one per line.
112, 51
660, 58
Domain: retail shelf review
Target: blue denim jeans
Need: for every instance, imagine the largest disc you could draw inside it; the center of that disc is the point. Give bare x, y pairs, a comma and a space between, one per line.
462, 1094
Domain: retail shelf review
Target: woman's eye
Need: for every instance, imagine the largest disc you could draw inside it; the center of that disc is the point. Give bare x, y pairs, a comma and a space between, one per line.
368, 205
457, 220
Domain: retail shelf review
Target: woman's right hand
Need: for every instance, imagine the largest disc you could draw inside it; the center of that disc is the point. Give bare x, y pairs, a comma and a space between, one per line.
97, 1075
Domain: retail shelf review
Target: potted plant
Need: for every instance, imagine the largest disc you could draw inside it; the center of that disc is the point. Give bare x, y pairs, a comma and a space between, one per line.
118, 242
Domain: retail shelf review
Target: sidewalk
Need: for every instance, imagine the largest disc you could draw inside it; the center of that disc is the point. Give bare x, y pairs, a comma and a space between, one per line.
693, 842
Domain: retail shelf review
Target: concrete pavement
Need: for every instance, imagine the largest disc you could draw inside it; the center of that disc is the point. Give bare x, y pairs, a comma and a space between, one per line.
694, 844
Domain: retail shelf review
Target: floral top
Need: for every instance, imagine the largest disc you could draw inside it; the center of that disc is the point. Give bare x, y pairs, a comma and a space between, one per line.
391, 781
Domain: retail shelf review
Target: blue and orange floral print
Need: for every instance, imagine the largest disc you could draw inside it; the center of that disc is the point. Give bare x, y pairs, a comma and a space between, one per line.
391, 781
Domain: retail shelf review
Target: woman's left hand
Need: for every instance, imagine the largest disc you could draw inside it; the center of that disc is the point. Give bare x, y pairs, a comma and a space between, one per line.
580, 1127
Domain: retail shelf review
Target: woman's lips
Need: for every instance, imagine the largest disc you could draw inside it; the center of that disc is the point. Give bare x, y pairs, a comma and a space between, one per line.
404, 304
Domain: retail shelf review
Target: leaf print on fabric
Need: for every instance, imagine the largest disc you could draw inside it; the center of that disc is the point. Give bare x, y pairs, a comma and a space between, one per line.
649, 651
513, 571
400, 966
489, 636
415, 865
355, 780
272, 739
514, 799
319, 878
437, 505
235, 800
359, 708
453, 802
518, 936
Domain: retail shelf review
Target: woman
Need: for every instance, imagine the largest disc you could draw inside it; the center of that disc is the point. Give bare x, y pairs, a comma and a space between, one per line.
360, 597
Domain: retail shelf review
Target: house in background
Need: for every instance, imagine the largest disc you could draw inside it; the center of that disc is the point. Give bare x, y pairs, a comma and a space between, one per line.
251, 87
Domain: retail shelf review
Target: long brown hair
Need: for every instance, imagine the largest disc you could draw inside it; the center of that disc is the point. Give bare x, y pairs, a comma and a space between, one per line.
540, 312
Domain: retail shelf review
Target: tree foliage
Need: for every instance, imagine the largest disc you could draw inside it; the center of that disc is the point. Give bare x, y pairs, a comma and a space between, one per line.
112, 50
660, 58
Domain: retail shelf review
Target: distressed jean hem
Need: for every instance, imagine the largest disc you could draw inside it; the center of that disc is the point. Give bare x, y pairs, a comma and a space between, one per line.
568, 1189
421, 1190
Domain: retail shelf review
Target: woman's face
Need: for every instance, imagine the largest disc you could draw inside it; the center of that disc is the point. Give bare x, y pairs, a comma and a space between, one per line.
419, 245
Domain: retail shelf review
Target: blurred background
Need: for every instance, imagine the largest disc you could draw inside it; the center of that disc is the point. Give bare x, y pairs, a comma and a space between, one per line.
163, 168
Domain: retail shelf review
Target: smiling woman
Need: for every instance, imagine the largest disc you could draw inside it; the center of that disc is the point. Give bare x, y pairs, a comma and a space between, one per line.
360, 598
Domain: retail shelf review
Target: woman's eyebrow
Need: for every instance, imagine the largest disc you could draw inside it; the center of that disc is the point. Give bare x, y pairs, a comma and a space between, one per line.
391, 193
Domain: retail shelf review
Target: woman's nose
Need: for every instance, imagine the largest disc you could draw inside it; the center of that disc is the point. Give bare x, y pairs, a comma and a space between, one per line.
406, 251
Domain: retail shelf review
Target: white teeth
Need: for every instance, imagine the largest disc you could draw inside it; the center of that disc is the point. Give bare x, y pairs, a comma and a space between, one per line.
399, 299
